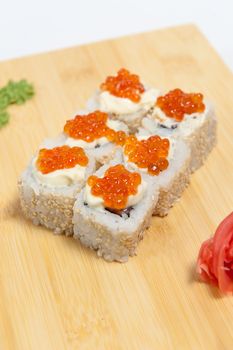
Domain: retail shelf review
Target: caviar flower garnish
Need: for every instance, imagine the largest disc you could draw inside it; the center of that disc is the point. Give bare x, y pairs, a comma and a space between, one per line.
151, 153
58, 158
115, 187
91, 127
176, 103
124, 85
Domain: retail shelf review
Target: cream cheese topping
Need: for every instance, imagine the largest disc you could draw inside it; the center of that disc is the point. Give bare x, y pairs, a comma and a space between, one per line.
70, 141
117, 105
98, 202
160, 118
61, 177
113, 124
117, 125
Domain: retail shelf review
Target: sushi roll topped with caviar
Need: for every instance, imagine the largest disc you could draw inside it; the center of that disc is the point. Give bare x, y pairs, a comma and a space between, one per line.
50, 183
125, 98
186, 116
113, 210
165, 160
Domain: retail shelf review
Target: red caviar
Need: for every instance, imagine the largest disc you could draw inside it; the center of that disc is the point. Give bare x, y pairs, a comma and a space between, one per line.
91, 127
151, 153
63, 157
124, 85
176, 103
115, 187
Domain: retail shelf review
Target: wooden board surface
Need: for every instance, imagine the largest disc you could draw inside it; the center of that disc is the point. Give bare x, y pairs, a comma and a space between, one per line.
55, 294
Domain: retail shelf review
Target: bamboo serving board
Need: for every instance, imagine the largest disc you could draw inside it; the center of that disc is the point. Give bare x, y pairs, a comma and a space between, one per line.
55, 294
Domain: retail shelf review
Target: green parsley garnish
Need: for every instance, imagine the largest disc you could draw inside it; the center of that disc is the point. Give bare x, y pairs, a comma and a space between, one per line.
4, 117
13, 93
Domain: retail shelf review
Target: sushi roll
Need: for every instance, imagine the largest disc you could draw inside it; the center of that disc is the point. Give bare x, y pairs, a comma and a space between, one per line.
166, 161
50, 183
113, 210
124, 98
95, 133
186, 116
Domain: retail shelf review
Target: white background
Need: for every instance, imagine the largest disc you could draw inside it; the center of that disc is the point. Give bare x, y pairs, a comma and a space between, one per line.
28, 26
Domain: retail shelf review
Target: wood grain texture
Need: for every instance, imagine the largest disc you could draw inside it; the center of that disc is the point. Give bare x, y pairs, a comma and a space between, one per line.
55, 294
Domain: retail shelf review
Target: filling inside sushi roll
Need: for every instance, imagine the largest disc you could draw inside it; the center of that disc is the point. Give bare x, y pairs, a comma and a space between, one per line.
176, 112
148, 154
94, 130
124, 94
60, 166
118, 190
